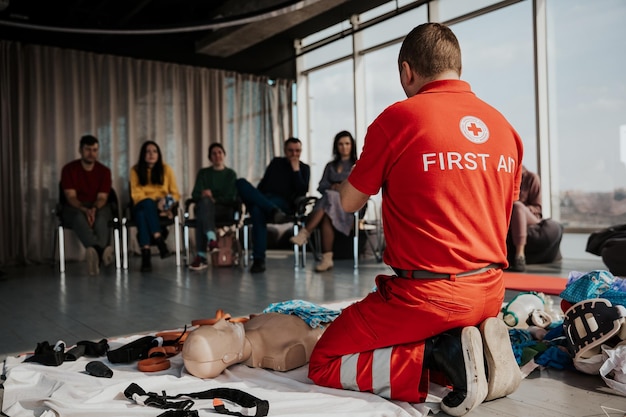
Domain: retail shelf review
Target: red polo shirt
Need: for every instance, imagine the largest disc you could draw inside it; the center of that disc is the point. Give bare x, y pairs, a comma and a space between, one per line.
450, 167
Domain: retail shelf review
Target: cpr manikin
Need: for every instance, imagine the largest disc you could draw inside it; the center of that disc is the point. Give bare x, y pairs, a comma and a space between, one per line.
276, 341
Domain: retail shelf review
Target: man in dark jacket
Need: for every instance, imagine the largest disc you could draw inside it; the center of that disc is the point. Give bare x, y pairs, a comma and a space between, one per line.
285, 179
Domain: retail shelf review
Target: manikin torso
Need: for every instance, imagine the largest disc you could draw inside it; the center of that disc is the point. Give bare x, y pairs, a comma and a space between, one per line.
280, 342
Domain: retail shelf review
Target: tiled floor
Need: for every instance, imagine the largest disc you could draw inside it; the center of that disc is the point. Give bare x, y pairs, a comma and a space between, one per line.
37, 303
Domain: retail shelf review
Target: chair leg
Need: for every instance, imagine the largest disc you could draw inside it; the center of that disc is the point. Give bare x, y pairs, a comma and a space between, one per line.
186, 243
177, 236
61, 249
246, 249
124, 245
53, 252
116, 243
296, 248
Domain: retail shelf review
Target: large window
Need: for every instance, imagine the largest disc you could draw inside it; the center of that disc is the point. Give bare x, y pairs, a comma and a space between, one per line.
587, 89
581, 153
331, 110
500, 68
450, 9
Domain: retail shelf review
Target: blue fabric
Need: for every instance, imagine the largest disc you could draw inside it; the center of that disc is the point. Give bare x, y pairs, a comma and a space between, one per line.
594, 284
313, 314
554, 358
146, 217
520, 339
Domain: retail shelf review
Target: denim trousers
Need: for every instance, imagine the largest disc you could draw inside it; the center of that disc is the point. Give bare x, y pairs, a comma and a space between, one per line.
146, 217
260, 206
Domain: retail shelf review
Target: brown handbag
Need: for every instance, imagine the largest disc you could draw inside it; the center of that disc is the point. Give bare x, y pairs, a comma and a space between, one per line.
227, 253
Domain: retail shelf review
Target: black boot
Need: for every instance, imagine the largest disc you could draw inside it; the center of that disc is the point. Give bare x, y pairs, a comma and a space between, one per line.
146, 264
447, 353
444, 354
163, 250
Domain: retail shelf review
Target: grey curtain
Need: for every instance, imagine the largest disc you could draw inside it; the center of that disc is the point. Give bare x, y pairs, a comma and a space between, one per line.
50, 97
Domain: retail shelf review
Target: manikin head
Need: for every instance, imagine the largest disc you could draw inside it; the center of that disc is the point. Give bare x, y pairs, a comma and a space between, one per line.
209, 350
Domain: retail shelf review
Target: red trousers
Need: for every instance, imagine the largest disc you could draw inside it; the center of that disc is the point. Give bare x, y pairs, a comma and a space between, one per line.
377, 344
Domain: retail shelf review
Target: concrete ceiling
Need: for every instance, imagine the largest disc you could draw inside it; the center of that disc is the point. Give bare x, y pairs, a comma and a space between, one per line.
248, 36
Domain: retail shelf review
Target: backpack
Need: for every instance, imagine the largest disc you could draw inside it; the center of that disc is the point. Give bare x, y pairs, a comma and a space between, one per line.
228, 250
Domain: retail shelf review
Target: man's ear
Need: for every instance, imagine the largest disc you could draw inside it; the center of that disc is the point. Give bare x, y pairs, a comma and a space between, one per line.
406, 73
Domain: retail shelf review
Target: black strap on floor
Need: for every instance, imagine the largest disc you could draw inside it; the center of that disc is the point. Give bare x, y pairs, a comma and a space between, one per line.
136, 393
94, 349
133, 351
47, 354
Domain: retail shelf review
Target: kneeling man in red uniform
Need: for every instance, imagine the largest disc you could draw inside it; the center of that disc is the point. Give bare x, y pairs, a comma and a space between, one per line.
449, 166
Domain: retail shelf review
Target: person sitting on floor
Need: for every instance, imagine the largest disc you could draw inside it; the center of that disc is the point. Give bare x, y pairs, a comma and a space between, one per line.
86, 184
285, 179
214, 194
154, 193
327, 212
531, 239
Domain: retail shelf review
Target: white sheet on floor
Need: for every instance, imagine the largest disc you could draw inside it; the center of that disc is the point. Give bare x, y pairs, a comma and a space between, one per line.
36, 390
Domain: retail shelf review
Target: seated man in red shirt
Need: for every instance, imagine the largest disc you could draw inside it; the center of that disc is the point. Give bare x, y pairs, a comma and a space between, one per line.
86, 184
449, 166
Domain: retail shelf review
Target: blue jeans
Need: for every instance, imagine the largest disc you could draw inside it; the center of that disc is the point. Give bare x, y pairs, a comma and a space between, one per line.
146, 217
261, 207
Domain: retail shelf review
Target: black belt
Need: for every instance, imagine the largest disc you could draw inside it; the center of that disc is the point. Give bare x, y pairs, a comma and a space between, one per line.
403, 273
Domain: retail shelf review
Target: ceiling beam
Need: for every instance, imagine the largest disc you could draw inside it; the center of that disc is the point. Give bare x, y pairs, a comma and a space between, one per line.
228, 42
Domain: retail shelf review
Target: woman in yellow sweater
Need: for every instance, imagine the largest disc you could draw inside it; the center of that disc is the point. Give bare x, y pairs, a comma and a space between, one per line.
154, 192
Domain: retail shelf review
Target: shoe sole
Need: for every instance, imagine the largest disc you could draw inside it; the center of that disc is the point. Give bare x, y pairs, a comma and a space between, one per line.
107, 256
92, 261
504, 373
297, 242
324, 269
198, 268
474, 371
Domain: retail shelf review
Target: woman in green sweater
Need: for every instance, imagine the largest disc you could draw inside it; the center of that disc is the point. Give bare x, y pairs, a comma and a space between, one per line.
214, 194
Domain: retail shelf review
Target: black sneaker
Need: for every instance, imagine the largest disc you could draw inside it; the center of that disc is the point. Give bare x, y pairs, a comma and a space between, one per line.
257, 266
163, 249
518, 264
458, 354
279, 217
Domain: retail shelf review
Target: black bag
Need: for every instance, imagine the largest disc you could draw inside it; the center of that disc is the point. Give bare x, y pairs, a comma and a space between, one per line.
598, 239
614, 255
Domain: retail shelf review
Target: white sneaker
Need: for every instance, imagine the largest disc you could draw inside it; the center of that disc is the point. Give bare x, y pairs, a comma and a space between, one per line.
503, 373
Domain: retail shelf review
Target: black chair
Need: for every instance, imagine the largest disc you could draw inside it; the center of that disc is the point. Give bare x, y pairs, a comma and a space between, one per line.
128, 222
302, 207
232, 220
61, 226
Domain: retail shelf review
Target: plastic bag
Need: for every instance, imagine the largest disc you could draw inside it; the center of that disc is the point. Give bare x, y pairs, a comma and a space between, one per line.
613, 370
